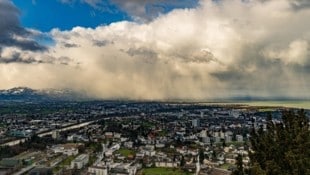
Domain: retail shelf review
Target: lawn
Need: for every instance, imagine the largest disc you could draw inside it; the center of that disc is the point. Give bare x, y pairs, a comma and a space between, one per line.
163, 171
226, 166
126, 152
92, 159
162, 133
64, 163
67, 161
235, 143
266, 109
2, 125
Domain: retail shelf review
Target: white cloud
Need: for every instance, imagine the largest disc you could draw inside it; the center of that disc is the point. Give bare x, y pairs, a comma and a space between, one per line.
218, 49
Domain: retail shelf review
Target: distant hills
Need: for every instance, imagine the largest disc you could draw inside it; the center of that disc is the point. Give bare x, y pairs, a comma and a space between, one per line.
28, 94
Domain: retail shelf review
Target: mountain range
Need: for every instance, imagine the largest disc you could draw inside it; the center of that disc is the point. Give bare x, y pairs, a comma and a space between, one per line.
28, 94
23, 94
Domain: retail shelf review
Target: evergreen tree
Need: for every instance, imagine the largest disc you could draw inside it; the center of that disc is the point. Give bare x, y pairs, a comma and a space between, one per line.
224, 143
201, 156
182, 162
239, 163
283, 148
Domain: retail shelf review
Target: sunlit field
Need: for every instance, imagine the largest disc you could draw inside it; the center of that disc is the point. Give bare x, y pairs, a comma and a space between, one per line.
288, 104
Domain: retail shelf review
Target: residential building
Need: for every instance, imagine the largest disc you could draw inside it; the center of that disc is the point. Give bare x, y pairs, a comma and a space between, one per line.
98, 169
80, 161
196, 123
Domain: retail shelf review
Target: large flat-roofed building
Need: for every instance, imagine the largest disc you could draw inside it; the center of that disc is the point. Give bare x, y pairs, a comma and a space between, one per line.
11, 162
41, 171
80, 161
67, 149
98, 170
196, 123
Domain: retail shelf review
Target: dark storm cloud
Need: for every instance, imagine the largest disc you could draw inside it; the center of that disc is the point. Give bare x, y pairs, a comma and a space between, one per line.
64, 60
240, 72
16, 58
100, 43
27, 58
300, 4
202, 56
70, 45
142, 52
12, 34
146, 54
22, 44
252, 72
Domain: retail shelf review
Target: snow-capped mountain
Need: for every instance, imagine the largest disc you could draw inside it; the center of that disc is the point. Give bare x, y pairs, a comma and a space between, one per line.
27, 94
17, 91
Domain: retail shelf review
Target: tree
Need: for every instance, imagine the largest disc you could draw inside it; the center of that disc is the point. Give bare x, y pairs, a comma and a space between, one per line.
182, 162
239, 163
214, 155
283, 148
201, 156
224, 143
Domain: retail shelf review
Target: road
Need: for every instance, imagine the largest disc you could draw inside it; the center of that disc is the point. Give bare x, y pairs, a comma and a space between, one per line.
81, 125
25, 170
197, 165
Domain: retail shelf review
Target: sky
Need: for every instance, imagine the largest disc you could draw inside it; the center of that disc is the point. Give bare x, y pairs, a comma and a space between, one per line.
156, 49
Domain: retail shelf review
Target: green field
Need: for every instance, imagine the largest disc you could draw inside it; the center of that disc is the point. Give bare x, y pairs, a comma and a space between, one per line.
126, 152
226, 166
267, 104
163, 171
68, 160
289, 104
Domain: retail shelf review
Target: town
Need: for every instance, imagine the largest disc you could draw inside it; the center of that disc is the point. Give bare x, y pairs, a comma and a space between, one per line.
127, 137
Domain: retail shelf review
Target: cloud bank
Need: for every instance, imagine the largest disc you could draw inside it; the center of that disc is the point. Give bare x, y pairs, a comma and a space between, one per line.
219, 49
